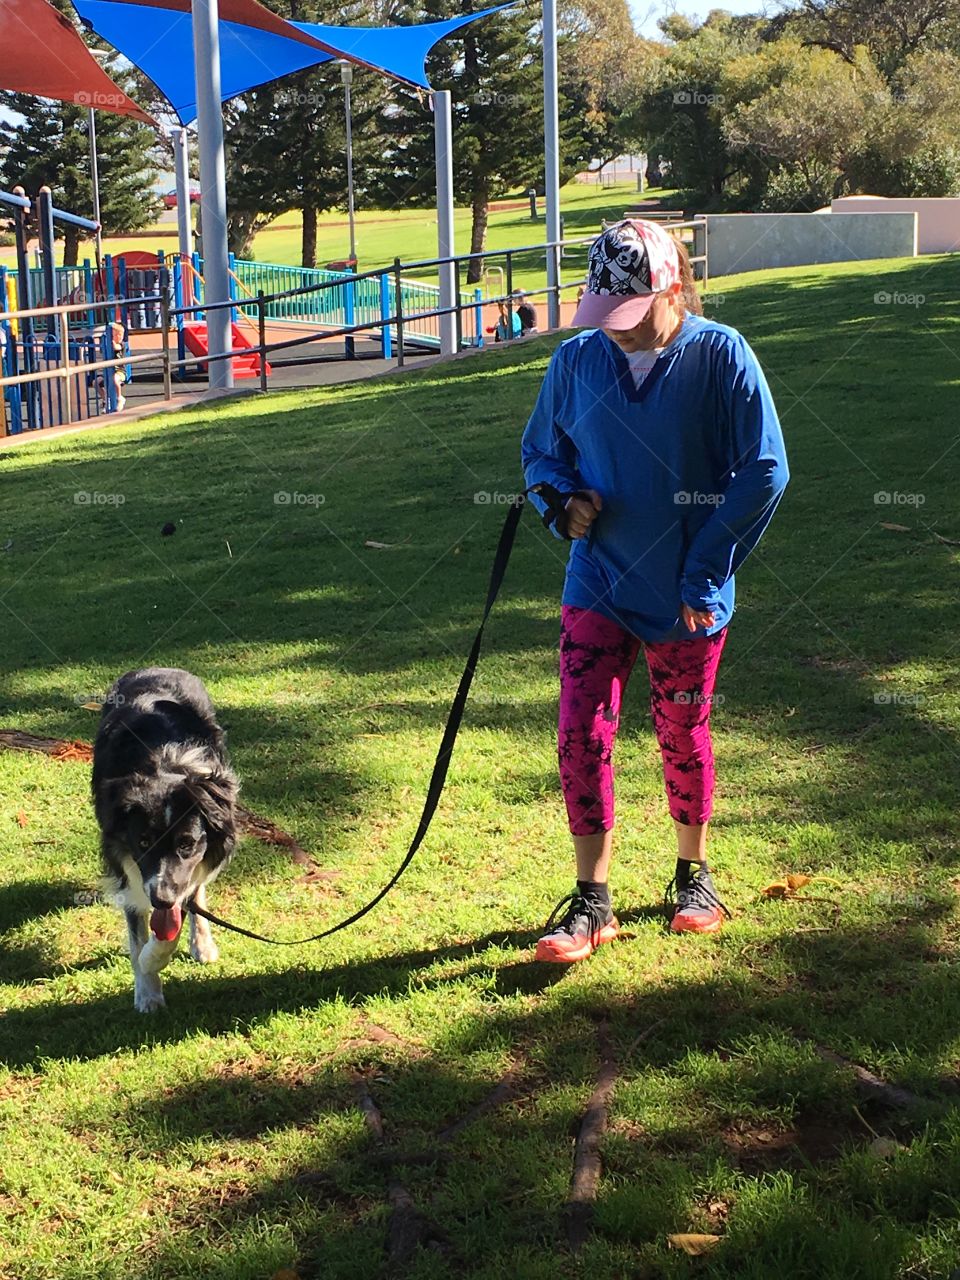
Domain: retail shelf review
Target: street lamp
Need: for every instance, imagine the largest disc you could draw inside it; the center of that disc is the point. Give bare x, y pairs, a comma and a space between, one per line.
346, 79
94, 173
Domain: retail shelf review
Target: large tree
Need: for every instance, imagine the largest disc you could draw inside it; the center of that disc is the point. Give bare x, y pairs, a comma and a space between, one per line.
494, 70
46, 143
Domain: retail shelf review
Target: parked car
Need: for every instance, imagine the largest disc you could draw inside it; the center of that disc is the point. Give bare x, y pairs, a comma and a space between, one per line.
170, 198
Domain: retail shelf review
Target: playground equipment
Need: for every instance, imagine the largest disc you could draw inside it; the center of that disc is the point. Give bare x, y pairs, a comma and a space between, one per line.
22, 350
246, 364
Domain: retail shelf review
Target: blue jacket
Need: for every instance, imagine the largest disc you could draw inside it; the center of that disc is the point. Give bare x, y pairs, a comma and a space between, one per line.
690, 467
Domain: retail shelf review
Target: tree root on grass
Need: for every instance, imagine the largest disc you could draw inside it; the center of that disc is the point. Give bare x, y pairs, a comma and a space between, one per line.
587, 1166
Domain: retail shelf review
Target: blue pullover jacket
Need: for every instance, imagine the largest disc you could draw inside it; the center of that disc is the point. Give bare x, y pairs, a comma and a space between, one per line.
690, 466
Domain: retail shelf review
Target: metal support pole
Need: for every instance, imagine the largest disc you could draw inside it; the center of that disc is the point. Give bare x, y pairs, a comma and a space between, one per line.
213, 189
181, 156
45, 202
163, 280
398, 286
346, 76
443, 143
95, 178
551, 157
262, 335
509, 334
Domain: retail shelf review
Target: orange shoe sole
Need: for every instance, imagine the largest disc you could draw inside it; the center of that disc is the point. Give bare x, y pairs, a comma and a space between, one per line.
549, 952
696, 924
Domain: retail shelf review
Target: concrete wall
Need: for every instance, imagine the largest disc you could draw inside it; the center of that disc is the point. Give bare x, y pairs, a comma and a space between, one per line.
938, 218
753, 241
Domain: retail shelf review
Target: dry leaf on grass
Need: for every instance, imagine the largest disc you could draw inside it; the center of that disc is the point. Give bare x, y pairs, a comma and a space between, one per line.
791, 885
897, 528
21, 818
693, 1243
92, 706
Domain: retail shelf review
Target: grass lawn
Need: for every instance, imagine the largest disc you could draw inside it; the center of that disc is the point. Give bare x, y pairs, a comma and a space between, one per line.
383, 233
222, 1138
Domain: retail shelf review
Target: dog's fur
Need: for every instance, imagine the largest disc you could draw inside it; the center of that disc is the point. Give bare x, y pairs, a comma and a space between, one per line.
165, 799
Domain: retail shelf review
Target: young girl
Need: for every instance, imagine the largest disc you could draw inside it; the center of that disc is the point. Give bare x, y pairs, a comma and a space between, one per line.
659, 449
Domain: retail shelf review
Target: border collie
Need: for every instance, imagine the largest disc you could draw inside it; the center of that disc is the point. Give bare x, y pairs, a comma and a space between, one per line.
165, 799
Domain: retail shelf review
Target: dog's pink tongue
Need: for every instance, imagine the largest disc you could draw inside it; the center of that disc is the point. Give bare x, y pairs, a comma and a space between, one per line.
165, 923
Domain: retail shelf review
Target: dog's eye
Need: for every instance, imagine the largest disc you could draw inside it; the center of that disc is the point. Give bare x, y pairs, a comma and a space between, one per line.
145, 842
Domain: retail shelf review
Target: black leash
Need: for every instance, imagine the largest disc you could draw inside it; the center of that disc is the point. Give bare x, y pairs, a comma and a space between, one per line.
556, 503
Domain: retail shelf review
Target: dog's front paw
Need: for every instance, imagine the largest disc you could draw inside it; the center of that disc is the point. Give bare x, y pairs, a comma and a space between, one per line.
203, 949
156, 954
148, 995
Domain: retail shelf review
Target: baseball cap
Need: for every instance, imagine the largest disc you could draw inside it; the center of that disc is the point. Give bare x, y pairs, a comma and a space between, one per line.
628, 264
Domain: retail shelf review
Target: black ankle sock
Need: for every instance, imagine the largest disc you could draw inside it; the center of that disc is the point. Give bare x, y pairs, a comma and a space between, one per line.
595, 891
683, 870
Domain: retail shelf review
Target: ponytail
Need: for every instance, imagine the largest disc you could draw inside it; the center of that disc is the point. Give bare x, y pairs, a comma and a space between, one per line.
689, 294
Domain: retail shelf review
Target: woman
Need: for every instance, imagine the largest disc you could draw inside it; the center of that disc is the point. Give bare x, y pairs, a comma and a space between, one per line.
659, 449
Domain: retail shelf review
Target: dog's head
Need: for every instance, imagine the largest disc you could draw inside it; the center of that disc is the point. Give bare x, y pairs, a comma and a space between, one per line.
177, 823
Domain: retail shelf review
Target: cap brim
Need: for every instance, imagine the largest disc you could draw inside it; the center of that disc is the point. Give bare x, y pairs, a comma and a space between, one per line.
612, 310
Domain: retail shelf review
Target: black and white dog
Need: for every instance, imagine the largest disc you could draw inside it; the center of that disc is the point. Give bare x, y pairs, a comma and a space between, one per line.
165, 799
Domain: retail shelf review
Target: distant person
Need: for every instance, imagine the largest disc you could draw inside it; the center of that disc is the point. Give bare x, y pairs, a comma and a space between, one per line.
114, 343
528, 316
507, 324
657, 430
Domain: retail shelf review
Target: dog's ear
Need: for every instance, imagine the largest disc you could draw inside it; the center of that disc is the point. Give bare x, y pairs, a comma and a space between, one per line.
116, 803
215, 795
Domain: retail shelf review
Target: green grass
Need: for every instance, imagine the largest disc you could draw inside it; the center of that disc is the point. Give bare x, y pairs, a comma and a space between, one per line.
221, 1138
383, 233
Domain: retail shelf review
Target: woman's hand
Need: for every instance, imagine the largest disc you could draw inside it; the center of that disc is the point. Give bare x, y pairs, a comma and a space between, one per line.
581, 513
696, 617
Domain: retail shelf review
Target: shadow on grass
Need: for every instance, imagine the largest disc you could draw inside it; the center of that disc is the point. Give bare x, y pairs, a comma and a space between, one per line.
731, 1044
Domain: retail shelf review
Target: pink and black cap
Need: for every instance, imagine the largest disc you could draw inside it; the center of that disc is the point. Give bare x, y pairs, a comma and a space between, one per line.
628, 265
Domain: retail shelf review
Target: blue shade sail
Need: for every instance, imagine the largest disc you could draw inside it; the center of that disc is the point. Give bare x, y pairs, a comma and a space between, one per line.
159, 41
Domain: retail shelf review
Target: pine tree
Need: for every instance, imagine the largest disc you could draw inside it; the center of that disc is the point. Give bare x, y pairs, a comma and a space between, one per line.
494, 71
286, 142
47, 144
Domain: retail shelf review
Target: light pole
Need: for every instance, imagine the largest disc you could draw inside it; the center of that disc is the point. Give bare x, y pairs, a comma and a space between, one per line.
94, 169
551, 156
346, 79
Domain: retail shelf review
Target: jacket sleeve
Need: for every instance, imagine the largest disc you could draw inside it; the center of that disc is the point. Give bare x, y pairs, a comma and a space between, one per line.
547, 453
756, 478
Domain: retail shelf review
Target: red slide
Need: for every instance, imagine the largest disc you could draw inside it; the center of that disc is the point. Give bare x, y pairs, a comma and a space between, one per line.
246, 363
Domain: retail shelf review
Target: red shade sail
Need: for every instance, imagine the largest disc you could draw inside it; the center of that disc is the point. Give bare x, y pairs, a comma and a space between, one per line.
41, 53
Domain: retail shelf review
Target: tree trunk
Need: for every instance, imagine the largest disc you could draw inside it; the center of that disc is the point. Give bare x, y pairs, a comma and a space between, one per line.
71, 245
478, 234
242, 228
308, 245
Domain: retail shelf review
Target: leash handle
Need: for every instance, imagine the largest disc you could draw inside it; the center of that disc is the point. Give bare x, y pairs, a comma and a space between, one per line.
442, 763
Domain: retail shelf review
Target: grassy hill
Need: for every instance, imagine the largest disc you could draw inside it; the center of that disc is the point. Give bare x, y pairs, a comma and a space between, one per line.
223, 1138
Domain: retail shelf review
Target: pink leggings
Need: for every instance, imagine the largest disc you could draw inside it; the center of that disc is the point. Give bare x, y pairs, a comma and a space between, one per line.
596, 659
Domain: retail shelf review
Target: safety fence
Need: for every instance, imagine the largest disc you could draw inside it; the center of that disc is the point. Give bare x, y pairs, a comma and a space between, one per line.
78, 368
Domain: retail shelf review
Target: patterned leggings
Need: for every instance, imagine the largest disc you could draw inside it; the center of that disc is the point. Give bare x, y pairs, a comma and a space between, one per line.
596, 659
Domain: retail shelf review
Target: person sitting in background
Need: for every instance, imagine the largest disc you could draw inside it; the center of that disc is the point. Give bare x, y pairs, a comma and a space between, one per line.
528, 315
500, 329
115, 341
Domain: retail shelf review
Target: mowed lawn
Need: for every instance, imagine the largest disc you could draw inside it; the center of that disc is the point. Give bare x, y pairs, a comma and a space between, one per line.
382, 234
222, 1138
